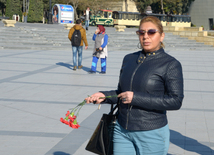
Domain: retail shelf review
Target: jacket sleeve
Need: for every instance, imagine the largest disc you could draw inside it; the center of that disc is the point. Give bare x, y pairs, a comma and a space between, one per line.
105, 41
70, 33
84, 37
94, 37
172, 99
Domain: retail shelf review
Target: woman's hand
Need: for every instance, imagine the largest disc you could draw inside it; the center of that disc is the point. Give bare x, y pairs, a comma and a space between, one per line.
95, 98
126, 97
97, 31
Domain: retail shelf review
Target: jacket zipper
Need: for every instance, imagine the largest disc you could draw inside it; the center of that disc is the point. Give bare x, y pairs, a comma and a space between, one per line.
130, 107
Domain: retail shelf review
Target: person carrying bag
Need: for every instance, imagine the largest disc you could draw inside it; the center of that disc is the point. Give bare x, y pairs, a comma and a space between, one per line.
150, 84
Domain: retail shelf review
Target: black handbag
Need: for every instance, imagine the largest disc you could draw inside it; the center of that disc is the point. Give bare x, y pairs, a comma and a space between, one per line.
97, 52
101, 141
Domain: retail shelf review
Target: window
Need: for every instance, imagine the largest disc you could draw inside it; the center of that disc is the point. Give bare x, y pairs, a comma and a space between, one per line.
109, 14
137, 17
115, 16
120, 16
124, 16
105, 14
129, 16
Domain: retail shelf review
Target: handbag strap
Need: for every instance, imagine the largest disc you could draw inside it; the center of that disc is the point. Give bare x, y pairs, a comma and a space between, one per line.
113, 108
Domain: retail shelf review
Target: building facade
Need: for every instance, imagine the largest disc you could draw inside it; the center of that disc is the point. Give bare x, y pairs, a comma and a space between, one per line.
130, 6
202, 13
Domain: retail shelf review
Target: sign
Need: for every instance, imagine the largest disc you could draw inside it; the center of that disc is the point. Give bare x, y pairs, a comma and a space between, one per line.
63, 14
66, 21
66, 8
149, 11
66, 15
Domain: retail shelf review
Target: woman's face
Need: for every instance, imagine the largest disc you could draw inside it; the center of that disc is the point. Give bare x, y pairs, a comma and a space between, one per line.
98, 30
150, 42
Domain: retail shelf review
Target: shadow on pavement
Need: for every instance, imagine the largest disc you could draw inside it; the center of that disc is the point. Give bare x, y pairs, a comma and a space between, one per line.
187, 143
60, 153
65, 65
69, 66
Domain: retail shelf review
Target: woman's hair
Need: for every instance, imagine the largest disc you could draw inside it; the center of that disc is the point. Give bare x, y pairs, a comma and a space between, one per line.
156, 22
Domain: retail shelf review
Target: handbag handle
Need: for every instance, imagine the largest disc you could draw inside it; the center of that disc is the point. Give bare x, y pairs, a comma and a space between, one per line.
113, 108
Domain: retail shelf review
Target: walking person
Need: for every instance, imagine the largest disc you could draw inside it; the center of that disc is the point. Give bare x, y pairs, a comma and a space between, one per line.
150, 83
77, 35
100, 50
87, 18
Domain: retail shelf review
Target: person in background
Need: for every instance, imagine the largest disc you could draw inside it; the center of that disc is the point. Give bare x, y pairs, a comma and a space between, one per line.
78, 48
150, 84
100, 49
87, 18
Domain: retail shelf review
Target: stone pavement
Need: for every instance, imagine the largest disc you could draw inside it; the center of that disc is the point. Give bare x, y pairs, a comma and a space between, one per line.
38, 86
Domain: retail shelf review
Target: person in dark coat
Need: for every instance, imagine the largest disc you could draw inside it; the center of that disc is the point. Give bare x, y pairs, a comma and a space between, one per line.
150, 84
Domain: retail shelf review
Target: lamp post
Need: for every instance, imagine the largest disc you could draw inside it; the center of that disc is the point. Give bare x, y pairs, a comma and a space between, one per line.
25, 9
50, 14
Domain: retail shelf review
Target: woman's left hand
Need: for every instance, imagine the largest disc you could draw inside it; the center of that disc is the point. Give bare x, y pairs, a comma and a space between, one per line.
126, 97
100, 48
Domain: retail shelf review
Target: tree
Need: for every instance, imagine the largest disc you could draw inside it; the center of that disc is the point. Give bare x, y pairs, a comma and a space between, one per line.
165, 6
186, 5
75, 4
2, 7
162, 7
94, 5
13, 7
142, 4
46, 3
35, 13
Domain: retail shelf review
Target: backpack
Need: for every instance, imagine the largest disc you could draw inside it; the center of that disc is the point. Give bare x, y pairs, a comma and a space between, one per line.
76, 38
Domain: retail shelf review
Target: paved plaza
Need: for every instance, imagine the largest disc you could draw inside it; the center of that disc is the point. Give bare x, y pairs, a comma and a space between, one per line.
38, 86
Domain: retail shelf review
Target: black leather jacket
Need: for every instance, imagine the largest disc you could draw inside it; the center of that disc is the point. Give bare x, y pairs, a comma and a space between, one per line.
157, 82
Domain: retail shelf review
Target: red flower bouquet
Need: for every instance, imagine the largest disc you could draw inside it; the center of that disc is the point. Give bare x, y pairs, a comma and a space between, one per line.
71, 116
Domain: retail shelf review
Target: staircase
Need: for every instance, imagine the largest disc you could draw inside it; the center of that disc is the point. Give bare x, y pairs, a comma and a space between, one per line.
55, 37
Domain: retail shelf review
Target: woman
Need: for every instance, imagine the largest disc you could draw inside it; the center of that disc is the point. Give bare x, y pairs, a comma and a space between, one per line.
100, 50
150, 83
55, 17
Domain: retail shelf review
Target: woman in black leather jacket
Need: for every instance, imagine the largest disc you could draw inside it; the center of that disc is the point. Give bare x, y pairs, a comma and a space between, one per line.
150, 83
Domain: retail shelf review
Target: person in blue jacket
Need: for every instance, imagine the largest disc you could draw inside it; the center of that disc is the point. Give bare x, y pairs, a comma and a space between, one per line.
100, 49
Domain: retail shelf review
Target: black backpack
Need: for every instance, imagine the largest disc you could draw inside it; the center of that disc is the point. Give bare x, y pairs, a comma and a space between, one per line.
76, 38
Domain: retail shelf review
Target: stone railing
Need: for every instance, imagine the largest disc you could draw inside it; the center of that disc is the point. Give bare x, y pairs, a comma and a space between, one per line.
68, 26
175, 28
9, 23
193, 33
120, 27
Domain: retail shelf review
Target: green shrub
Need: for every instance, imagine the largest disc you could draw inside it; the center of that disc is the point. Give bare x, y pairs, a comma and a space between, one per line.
35, 13
13, 7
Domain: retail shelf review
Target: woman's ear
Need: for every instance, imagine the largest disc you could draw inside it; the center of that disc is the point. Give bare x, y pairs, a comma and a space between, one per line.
162, 37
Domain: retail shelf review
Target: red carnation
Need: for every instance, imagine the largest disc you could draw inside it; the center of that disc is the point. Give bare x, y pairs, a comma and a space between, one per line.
74, 124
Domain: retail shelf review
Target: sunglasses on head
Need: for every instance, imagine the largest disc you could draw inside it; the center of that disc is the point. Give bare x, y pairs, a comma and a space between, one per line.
149, 32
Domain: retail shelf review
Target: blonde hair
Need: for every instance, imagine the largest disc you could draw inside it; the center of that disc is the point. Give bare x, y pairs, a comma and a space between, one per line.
156, 22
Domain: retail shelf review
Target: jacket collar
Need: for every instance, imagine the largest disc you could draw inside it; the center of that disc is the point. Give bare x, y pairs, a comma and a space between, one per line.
143, 54
152, 53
